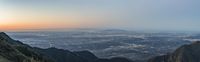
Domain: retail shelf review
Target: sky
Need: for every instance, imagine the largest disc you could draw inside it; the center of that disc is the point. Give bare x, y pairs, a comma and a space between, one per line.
175, 15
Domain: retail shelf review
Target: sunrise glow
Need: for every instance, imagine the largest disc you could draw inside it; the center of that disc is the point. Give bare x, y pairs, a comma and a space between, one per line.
128, 14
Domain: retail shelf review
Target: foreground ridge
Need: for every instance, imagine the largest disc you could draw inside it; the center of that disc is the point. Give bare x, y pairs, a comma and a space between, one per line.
186, 53
15, 51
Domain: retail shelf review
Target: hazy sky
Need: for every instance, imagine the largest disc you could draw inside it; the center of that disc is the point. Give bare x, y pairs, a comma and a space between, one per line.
182, 15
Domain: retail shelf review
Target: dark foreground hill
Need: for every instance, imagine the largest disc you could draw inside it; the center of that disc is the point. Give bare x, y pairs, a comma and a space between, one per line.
186, 53
15, 51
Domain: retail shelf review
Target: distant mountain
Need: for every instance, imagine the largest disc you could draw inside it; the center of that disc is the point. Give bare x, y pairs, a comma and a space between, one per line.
114, 30
186, 53
15, 51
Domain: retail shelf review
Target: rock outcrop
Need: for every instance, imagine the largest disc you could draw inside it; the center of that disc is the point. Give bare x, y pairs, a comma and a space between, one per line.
186, 53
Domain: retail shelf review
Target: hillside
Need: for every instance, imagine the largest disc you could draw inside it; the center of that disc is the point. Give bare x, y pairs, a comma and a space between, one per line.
15, 51
186, 53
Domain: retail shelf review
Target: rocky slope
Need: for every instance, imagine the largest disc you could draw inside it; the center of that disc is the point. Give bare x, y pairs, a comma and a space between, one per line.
186, 53
15, 51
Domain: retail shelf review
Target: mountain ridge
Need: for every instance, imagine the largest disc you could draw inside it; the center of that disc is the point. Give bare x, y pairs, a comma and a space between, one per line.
15, 51
186, 53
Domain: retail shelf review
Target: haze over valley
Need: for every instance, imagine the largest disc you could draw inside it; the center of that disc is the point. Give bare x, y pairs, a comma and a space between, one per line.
109, 43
